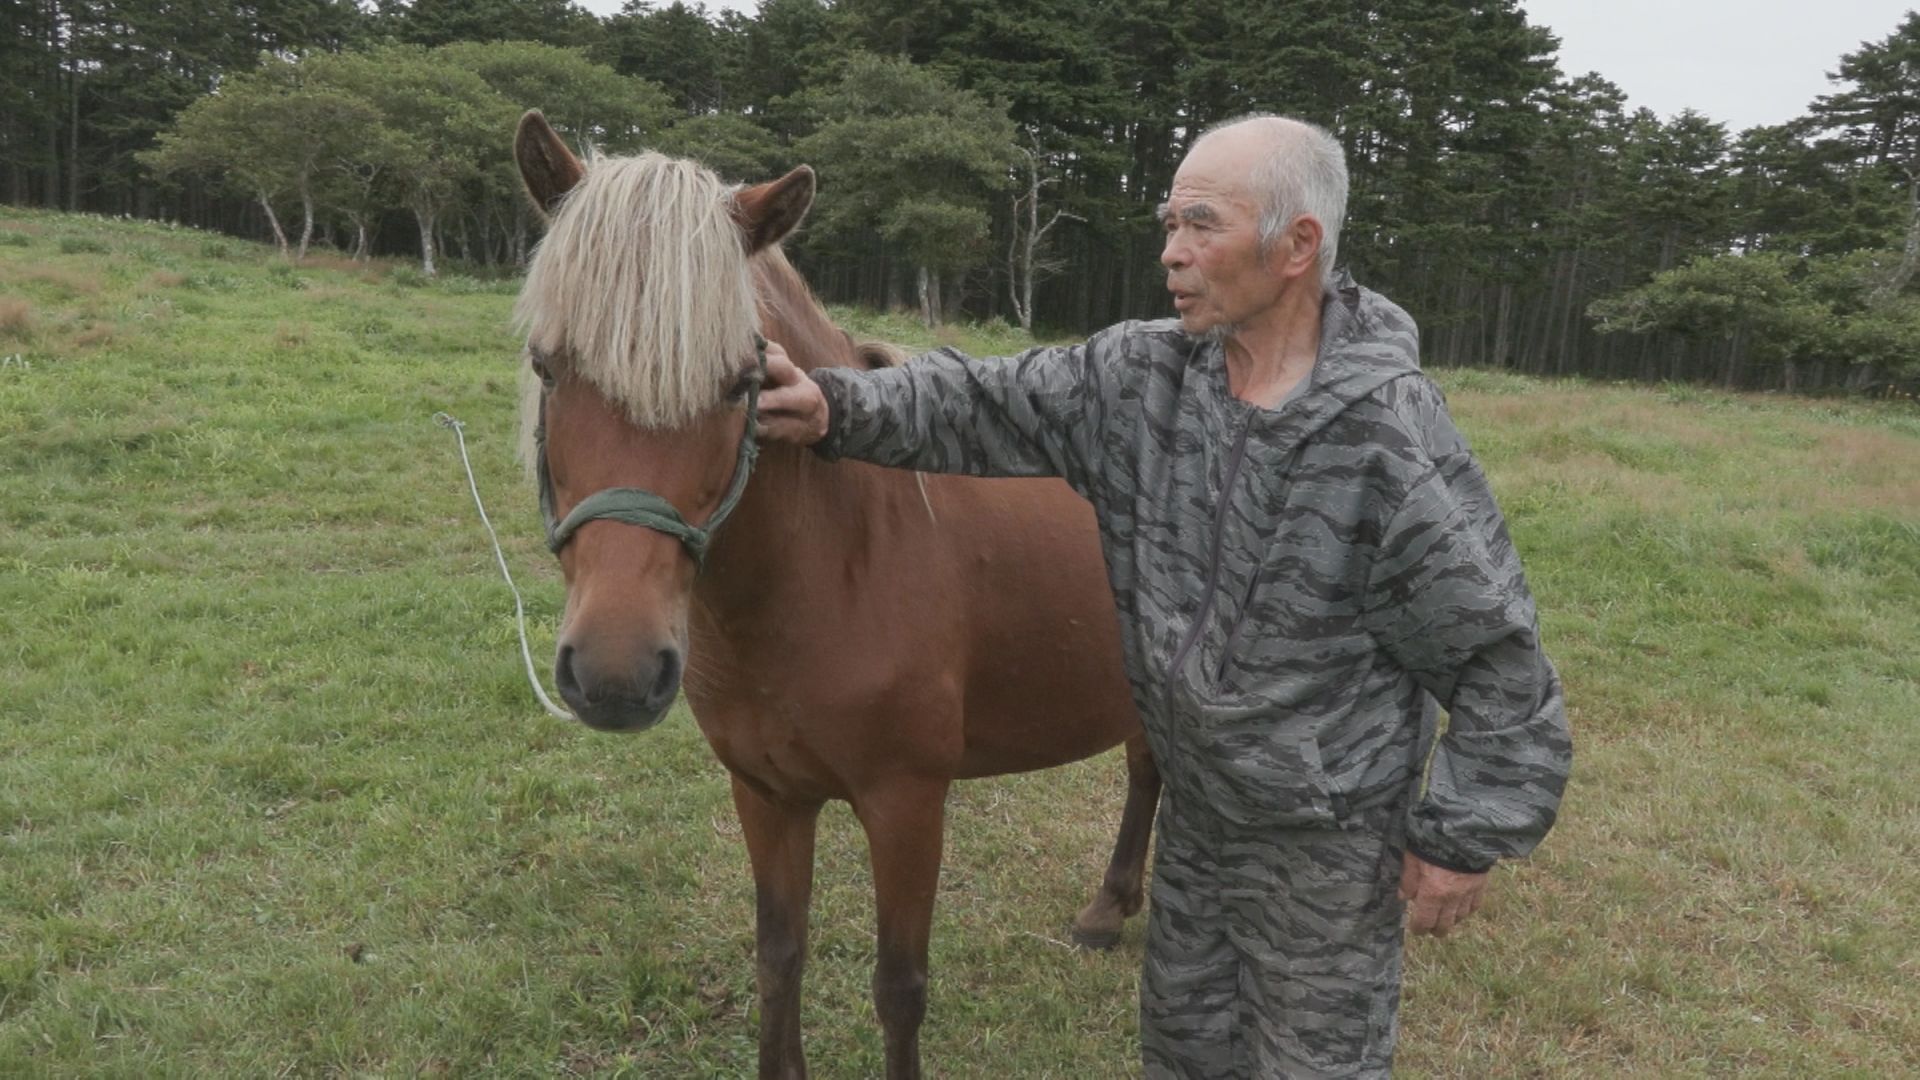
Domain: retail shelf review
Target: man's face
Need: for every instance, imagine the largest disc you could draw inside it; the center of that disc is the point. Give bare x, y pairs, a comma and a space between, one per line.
1216, 271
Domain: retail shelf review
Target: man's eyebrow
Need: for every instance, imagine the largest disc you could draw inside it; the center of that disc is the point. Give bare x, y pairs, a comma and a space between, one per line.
1189, 212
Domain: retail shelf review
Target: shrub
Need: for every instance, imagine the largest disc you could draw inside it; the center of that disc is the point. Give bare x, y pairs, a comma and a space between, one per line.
212, 281
282, 273
462, 285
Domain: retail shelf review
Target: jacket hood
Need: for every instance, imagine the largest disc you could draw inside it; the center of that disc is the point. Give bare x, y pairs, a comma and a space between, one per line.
1366, 341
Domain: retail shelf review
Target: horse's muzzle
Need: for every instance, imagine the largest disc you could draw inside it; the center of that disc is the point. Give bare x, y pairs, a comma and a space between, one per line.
634, 699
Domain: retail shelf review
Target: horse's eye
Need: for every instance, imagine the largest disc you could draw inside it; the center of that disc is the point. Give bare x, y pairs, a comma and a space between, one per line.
539, 367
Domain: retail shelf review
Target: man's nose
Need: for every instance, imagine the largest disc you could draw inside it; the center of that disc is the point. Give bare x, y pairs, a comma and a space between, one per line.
1173, 255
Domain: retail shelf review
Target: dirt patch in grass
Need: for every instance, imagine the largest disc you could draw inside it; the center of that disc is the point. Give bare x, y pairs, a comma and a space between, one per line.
1526, 410
1583, 475
292, 335
165, 279
1877, 470
1653, 494
94, 336
1666, 456
327, 260
16, 317
1604, 411
72, 282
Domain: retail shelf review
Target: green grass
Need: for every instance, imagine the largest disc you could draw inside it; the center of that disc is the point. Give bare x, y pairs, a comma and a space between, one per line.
273, 797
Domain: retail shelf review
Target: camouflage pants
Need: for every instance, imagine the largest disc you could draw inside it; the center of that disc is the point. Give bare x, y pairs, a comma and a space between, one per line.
1275, 955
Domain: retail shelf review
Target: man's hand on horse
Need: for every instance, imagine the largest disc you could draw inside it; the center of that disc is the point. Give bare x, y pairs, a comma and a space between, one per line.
1438, 899
792, 408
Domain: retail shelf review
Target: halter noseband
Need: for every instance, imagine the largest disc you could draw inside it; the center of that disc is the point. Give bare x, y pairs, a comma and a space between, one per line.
636, 506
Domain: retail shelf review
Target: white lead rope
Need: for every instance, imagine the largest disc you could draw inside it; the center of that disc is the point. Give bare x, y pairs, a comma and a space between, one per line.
519, 609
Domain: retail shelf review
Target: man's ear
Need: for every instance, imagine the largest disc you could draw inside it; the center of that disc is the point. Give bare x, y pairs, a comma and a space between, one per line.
1300, 255
546, 165
768, 212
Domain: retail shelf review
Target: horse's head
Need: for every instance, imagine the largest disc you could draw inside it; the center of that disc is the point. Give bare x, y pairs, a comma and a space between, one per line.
641, 342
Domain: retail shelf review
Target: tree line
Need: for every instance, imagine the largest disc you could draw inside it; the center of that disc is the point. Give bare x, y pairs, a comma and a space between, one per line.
1004, 158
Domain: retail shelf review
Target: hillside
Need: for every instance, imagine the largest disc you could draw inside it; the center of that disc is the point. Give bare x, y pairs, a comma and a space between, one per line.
273, 796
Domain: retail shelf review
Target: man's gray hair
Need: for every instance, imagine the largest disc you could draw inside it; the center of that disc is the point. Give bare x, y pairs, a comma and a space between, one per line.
1305, 173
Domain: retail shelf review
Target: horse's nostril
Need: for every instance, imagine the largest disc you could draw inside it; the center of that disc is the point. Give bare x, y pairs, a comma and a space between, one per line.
666, 678
564, 679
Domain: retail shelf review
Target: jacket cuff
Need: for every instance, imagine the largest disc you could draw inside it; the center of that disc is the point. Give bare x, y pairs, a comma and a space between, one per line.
1446, 862
828, 448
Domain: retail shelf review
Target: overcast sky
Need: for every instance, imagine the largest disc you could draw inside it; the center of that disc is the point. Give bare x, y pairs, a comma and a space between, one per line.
1743, 62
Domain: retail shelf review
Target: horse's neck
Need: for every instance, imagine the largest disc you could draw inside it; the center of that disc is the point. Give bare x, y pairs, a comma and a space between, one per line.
800, 515
802, 524
791, 316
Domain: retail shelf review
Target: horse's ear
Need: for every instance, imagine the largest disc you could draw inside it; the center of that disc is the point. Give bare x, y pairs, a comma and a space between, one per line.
768, 212
548, 167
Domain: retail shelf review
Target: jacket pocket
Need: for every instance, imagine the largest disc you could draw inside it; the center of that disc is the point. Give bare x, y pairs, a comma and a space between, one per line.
1259, 772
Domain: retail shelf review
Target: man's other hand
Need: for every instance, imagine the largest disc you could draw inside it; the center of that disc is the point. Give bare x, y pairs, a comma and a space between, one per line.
792, 408
1438, 899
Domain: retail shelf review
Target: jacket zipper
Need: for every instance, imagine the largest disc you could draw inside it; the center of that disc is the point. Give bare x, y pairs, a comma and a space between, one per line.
1213, 567
1253, 578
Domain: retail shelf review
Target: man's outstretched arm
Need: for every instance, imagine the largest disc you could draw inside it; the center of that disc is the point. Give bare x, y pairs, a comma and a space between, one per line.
1034, 414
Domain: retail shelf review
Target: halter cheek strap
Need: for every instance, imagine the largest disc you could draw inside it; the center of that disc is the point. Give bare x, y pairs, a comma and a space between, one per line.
636, 506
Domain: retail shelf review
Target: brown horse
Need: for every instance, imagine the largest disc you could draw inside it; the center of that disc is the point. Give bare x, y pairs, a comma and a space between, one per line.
856, 633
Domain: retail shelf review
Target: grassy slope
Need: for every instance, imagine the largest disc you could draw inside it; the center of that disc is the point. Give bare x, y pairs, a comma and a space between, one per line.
272, 796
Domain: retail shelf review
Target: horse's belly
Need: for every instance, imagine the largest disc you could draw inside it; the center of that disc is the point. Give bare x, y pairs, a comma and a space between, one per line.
1044, 683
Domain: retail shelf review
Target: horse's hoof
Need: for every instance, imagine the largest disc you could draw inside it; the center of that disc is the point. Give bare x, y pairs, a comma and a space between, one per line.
1096, 940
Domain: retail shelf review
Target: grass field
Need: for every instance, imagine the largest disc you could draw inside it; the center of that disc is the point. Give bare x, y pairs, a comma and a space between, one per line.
274, 800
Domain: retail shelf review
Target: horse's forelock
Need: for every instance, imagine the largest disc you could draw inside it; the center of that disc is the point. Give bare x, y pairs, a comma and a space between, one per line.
641, 287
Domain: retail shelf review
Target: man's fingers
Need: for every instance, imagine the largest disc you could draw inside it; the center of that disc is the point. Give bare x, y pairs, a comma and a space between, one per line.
1436, 915
1439, 900
1423, 915
791, 407
780, 370
778, 395
1409, 877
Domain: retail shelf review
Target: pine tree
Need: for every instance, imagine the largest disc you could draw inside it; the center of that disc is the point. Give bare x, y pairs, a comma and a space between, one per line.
911, 162
1878, 118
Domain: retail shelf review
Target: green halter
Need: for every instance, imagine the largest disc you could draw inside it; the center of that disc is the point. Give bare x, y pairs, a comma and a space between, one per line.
634, 506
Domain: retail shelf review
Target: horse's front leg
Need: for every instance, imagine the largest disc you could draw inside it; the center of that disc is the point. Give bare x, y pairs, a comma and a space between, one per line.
1121, 893
780, 842
904, 822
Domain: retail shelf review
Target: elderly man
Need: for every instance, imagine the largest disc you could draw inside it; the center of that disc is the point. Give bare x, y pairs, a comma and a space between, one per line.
1307, 563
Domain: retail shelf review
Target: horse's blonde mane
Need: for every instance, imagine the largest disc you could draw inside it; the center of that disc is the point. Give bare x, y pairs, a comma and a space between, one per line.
641, 288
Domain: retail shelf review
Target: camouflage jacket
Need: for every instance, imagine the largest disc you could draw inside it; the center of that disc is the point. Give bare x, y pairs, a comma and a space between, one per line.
1296, 587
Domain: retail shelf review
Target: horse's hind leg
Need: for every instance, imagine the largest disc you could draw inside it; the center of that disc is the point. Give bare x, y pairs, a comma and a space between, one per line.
904, 821
1098, 924
780, 843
